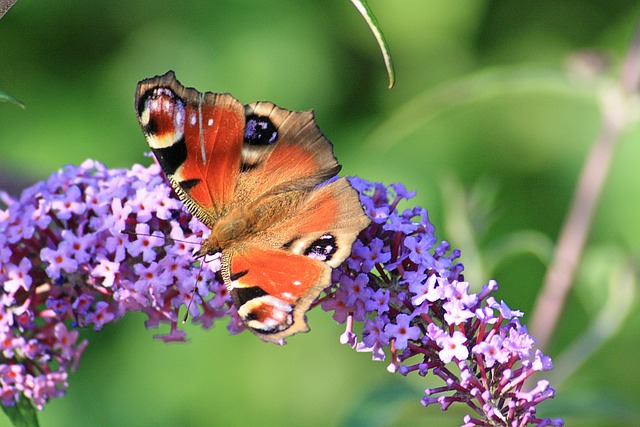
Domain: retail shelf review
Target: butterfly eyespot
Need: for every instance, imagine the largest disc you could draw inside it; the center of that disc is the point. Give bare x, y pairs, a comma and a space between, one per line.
162, 115
322, 248
259, 131
188, 184
243, 295
266, 314
152, 126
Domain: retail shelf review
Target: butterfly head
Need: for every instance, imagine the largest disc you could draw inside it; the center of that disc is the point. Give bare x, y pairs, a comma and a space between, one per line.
210, 246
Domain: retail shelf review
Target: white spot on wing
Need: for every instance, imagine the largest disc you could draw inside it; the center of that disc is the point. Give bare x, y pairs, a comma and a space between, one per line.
202, 152
156, 141
144, 117
178, 121
315, 255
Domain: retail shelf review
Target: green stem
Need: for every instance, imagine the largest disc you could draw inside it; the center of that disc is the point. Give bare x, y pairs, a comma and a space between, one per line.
372, 22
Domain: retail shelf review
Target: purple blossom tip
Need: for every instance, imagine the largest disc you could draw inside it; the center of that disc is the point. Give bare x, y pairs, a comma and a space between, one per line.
416, 306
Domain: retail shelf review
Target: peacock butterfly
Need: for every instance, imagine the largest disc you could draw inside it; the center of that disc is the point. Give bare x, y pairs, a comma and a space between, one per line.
263, 179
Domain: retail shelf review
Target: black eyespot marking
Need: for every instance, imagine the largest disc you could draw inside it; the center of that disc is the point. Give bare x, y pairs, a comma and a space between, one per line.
188, 184
289, 243
236, 276
142, 101
267, 329
323, 248
241, 295
170, 158
151, 128
259, 131
246, 167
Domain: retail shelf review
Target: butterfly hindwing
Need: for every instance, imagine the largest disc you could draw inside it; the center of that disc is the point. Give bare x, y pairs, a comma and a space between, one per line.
325, 226
275, 287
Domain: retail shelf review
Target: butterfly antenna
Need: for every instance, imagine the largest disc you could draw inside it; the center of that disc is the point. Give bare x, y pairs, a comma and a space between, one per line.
133, 233
193, 293
171, 239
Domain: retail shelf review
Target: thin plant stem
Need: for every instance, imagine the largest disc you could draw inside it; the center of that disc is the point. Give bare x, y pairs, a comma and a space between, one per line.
617, 106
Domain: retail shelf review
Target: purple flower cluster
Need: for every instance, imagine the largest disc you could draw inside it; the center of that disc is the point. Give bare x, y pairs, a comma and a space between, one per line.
411, 296
65, 263
90, 244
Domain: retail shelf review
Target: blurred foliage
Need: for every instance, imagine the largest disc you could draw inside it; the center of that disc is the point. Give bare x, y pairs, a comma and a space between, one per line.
23, 413
486, 121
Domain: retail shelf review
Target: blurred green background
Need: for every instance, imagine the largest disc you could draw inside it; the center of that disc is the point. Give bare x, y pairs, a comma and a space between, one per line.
489, 121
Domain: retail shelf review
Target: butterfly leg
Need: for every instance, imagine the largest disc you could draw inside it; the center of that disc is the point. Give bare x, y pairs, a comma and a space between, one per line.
225, 270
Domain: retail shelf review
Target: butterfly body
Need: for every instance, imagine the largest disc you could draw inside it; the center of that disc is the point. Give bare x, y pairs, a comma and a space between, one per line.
256, 175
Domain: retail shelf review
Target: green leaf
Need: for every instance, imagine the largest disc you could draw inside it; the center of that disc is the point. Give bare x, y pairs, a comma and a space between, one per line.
4, 97
372, 22
23, 414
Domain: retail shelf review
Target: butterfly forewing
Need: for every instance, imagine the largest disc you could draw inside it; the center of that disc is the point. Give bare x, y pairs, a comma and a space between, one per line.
302, 149
185, 129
